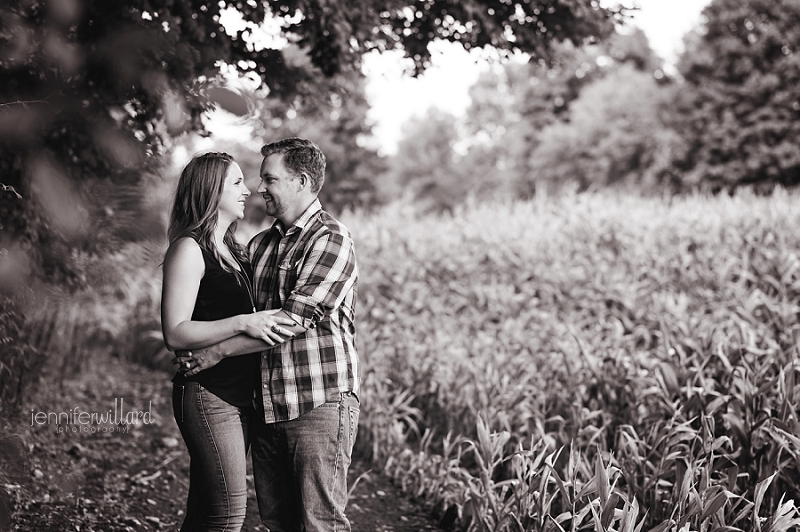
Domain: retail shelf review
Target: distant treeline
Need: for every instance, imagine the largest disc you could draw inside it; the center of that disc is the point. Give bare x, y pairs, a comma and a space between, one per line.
611, 114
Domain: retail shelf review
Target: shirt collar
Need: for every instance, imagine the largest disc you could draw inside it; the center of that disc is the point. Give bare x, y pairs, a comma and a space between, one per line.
301, 222
307, 215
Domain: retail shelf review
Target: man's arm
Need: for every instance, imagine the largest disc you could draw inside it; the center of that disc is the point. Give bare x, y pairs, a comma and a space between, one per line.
326, 276
203, 358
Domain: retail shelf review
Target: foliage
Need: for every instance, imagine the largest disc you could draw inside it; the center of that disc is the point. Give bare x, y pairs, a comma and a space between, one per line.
338, 125
518, 109
607, 114
740, 114
616, 135
425, 166
117, 316
598, 361
20, 363
541, 96
94, 90
539, 93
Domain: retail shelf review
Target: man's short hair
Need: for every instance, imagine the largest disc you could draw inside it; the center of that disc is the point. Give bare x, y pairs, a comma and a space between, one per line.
300, 156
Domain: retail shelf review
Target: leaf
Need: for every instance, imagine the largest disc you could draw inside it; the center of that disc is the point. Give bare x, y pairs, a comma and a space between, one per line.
761, 489
511, 522
713, 505
714, 405
743, 512
785, 517
555, 522
686, 484
572, 467
561, 487
598, 524
629, 514
230, 101
602, 480
589, 489
694, 509
608, 511
661, 527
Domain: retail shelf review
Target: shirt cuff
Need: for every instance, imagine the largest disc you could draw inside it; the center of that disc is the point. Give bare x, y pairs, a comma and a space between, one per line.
305, 310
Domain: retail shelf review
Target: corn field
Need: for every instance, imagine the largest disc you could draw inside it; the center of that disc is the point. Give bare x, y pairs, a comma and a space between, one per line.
592, 362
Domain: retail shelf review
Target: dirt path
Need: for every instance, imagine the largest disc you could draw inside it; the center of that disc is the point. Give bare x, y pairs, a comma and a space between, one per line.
112, 481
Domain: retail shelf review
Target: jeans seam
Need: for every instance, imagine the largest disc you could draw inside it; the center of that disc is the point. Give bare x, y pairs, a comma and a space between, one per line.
339, 451
216, 451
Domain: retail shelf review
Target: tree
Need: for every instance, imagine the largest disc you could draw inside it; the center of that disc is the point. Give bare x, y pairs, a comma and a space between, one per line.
740, 106
425, 166
92, 91
518, 107
338, 124
615, 136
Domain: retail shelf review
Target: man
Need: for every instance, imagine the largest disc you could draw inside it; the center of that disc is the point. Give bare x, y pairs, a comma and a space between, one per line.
305, 266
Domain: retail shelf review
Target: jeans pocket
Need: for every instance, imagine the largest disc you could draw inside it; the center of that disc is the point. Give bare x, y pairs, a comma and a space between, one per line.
353, 425
178, 395
353, 412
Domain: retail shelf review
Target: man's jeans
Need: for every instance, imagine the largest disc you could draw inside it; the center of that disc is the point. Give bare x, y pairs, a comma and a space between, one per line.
300, 468
216, 434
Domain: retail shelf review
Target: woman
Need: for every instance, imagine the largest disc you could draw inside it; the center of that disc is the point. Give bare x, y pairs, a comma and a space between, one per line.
207, 297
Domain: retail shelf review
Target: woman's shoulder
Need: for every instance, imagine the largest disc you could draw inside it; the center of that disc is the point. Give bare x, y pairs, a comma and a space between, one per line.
185, 245
184, 249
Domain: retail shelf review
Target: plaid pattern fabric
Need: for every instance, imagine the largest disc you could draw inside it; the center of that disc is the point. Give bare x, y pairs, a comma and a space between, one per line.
309, 270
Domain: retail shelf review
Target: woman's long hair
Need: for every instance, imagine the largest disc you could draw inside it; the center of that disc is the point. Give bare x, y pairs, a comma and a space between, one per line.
194, 211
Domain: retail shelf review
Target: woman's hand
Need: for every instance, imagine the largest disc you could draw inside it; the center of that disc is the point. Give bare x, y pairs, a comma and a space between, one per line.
193, 362
266, 326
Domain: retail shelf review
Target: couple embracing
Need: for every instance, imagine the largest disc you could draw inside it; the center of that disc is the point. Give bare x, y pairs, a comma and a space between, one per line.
265, 342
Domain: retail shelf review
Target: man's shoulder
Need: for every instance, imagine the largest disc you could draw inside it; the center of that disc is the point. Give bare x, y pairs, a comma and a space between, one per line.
326, 224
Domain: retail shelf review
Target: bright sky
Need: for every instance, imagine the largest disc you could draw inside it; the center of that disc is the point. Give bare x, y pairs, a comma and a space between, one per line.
394, 98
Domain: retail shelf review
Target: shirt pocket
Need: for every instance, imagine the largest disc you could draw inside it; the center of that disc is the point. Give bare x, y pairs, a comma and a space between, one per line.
287, 277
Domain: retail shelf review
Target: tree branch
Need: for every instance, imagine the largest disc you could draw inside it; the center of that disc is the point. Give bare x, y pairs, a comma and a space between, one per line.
9, 188
24, 104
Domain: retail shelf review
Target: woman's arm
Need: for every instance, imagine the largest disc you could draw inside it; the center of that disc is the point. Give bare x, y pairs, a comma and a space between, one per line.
203, 358
183, 269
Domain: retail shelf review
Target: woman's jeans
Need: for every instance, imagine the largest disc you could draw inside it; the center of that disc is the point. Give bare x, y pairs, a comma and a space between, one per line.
217, 435
300, 468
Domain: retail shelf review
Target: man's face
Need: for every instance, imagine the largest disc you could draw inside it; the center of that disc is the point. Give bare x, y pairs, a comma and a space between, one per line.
279, 187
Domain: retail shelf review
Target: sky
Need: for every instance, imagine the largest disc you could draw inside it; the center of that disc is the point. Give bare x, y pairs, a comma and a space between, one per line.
395, 97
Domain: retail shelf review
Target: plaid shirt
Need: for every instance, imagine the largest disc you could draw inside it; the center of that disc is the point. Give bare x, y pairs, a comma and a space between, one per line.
310, 272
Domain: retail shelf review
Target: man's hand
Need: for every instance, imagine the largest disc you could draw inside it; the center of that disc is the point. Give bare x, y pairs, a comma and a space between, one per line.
195, 361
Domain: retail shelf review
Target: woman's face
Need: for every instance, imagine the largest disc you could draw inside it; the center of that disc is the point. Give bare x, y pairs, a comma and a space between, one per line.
231, 202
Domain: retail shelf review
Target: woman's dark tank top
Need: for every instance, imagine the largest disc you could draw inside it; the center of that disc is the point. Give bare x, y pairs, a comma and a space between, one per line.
221, 296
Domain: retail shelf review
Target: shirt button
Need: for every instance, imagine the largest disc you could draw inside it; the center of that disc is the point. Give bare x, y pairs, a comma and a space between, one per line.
265, 386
